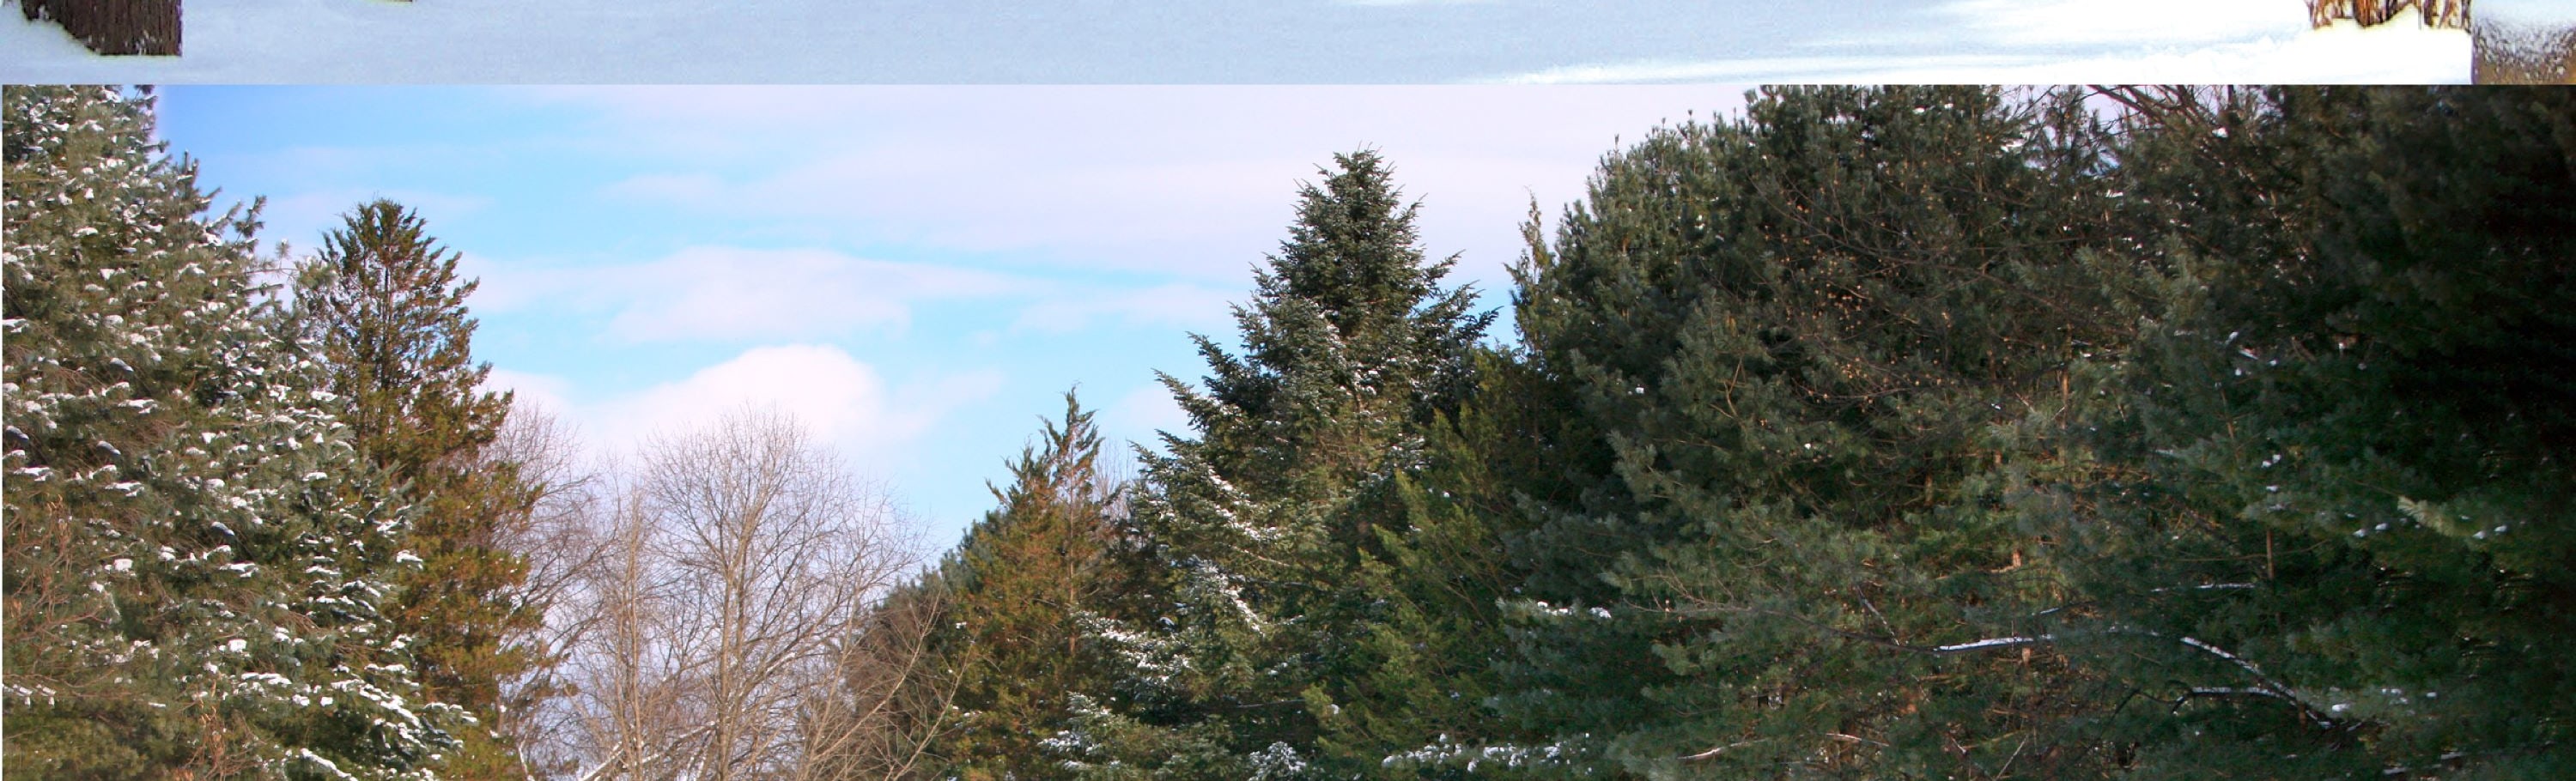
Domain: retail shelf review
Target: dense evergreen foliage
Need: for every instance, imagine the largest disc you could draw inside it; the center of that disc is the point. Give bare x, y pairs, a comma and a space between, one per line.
1019, 595
383, 304
1262, 533
2338, 449
1906, 433
197, 554
1798, 335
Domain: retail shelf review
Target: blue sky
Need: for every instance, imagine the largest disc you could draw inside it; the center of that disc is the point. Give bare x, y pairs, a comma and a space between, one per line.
917, 272
1247, 41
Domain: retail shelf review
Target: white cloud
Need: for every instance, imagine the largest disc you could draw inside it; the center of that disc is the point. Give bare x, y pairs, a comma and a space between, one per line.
545, 391
734, 294
845, 402
1195, 307
1140, 413
1078, 210
727, 293
687, 188
1192, 182
720, 294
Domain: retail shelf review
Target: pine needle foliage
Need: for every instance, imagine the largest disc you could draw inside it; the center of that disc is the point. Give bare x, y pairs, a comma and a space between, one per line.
2339, 445
1797, 332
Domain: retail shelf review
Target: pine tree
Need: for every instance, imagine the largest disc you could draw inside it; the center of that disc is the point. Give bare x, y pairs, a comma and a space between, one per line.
1798, 334
2338, 517
195, 552
1019, 592
383, 302
1352, 349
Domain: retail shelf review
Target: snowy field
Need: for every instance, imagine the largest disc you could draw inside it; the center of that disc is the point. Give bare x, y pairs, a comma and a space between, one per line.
1246, 41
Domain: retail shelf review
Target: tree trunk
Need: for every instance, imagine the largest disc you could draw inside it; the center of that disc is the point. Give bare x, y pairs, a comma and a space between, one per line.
114, 26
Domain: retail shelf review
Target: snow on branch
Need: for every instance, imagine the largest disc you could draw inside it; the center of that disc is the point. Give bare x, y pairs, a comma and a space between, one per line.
2264, 683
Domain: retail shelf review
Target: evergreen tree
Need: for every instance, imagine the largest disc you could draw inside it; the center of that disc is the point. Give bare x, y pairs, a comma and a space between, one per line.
1428, 668
383, 303
1798, 335
195, 552
1019, 591
1910, 433
2334, 540
1265, 525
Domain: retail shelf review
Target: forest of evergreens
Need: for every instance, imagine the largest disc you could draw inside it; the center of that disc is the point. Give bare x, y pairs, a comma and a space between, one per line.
1872, 433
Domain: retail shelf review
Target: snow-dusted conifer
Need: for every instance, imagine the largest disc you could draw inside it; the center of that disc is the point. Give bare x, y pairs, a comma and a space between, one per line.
1262, 522
195, 552
383, 306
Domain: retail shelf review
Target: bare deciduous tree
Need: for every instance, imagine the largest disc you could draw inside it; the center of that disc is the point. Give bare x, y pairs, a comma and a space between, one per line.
734, 569
560, 543
889, 700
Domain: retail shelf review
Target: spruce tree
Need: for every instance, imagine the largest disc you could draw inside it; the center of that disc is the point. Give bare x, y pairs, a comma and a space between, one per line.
1265, 523
195, 552
383, 303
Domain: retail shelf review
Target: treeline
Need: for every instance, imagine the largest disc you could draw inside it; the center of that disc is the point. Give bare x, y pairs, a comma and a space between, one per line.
250, 532
1873, 433
264, 522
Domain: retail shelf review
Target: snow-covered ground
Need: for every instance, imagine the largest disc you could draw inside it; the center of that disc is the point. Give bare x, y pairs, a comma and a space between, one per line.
2346, 53
1248, 41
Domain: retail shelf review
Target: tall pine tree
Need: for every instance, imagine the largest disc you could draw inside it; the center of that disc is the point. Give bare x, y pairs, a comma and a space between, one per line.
196, 554
384, 305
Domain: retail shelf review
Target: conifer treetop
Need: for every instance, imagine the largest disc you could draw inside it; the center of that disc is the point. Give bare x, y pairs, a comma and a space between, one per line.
384, 301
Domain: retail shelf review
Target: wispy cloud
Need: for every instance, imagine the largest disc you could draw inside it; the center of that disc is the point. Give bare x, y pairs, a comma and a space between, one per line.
719, 294
1195, 183
846, 402
1192, 306
1143, 412
730, 293
545, 391
1079, 209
